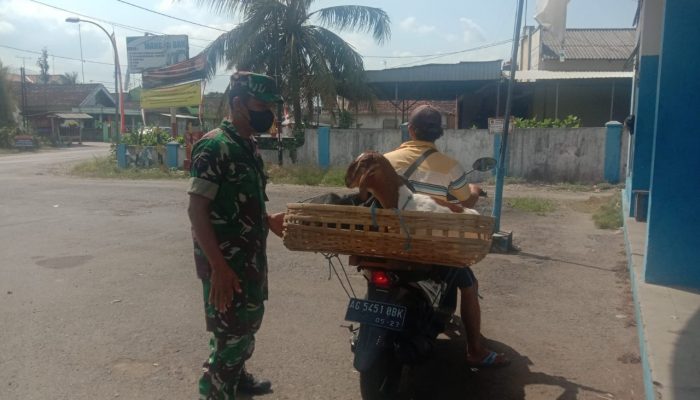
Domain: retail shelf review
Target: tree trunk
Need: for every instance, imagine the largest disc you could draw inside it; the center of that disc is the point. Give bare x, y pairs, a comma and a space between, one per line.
295, 86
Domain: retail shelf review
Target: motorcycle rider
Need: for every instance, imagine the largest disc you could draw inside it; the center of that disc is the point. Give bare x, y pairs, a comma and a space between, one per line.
443, 178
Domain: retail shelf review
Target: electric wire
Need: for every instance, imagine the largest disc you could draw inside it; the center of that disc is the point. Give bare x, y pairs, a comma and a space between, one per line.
171, 16
347, 278
116, 24
486, 46
144, 30
60, 57
329, 257
423, 57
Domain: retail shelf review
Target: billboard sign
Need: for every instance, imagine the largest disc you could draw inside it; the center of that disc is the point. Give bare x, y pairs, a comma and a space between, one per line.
182, 95
188, 70
144, 52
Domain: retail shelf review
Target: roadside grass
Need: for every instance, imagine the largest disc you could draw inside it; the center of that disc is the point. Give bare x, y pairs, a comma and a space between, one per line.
509, 180
106, 168
582, 187
563, 186
606, 211
532, 204
609, 214
306, 175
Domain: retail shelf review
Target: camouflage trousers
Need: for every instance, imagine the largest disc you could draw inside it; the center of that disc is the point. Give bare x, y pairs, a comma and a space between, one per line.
232, 344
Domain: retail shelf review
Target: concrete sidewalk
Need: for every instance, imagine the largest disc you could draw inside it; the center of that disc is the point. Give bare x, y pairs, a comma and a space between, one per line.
668, 320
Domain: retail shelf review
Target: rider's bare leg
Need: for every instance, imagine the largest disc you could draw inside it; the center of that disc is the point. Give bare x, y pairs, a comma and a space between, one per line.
470, 311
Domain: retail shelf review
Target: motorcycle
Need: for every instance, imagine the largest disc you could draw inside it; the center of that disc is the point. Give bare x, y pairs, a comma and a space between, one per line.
406, 307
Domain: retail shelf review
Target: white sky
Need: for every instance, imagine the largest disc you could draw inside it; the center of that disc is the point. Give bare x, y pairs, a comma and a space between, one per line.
418, 28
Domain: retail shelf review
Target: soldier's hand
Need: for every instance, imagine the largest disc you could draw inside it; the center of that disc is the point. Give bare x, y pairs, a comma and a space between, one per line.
223, 284
276, 223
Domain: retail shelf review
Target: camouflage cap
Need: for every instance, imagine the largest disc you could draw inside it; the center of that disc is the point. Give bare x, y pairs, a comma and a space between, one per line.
260, 86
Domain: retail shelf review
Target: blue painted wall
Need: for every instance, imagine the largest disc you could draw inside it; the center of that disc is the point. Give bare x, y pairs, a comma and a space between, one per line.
645, 123
613, 150
672, 256
171, 154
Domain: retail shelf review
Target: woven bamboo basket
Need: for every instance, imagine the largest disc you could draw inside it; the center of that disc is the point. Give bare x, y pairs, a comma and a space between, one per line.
456, 240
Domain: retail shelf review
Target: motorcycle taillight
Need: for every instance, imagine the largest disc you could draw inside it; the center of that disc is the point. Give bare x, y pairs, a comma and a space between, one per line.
380, 279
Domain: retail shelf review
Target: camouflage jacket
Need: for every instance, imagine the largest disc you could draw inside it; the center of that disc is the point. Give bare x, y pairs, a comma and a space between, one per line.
228, 170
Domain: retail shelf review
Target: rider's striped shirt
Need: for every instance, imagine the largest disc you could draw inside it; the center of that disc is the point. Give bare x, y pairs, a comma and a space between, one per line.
437, 176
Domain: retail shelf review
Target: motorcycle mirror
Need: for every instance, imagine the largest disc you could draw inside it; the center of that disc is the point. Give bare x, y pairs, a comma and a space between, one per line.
484, 164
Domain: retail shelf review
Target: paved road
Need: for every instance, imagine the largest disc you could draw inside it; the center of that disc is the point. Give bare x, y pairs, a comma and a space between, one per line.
26, 163
99, 300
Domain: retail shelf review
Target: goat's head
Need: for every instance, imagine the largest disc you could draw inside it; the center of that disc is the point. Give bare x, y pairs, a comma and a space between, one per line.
372, 172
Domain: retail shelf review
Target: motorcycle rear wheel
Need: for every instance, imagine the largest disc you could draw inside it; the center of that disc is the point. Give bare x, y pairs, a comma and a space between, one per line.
381, 380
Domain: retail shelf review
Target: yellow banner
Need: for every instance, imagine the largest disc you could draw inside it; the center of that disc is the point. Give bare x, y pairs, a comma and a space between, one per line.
182, 95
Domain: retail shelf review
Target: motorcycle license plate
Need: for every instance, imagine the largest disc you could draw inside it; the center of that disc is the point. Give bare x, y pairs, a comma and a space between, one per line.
383, 315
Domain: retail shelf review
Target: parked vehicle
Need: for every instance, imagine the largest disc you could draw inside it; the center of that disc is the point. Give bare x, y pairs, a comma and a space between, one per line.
400, 317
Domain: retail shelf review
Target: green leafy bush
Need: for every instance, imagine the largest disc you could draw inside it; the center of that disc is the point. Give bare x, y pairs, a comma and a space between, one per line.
345, 119
7, 136
8, 133
149, 136
570, 121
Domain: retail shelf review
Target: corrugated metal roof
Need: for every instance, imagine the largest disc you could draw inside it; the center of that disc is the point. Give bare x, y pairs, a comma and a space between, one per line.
464, 71
540, 75
72, 116
591, 44
387, 107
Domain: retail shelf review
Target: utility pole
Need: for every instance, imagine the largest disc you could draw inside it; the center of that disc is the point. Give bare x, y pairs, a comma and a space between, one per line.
503, 240
24, 59
82, 61
23, 90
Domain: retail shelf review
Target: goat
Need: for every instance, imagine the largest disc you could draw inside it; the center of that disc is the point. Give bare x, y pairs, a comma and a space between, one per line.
372, 173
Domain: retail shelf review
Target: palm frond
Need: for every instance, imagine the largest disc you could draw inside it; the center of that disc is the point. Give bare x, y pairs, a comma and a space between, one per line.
229, 7
250, 45
360, 18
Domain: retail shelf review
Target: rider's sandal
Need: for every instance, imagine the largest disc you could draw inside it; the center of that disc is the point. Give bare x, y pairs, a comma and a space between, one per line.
490, 361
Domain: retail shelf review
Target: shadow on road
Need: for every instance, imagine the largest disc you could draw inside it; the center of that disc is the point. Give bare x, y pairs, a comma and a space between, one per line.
547, 258
684, 377
446, 376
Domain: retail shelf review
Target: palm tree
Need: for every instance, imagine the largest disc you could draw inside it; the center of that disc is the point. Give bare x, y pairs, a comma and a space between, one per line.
43, 63
278, 38
69, 78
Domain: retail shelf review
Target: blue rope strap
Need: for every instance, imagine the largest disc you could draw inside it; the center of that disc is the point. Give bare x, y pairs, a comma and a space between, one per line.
407, 244
373, 213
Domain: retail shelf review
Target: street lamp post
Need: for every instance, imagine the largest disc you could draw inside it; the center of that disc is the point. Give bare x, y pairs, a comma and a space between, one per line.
117, 75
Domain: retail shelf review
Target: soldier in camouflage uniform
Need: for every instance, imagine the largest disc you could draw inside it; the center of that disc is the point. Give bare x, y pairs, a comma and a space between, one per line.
230, 227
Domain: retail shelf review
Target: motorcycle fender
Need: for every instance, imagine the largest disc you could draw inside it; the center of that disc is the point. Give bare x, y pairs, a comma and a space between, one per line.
371, 342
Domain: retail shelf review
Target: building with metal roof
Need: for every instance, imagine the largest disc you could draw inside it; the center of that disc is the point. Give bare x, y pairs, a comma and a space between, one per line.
588, 74
581, 50
472, 86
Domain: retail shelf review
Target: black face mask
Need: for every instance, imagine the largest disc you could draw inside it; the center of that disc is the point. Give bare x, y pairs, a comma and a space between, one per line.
261, 121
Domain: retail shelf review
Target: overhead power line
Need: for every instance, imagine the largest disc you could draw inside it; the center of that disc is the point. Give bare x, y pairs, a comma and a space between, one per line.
171, 17
443, 54
57, 56
424, 57
486, 46
117, 24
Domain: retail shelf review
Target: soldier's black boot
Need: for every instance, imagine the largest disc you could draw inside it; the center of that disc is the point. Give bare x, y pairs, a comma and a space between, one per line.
251, 385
